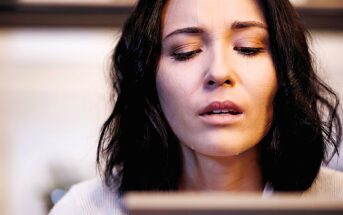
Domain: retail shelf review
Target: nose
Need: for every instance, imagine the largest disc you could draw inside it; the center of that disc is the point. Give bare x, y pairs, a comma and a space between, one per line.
220, 69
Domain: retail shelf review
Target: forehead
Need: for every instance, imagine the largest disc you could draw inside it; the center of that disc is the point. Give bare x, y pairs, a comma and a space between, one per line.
209, 14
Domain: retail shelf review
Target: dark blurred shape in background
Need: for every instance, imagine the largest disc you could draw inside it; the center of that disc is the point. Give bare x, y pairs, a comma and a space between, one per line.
63, 13
317, 14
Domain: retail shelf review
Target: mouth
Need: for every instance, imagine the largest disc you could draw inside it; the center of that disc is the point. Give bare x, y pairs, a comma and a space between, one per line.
221, 108
221, 113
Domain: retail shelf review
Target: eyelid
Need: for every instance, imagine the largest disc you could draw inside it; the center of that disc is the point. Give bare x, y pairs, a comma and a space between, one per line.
185, 48
184, 56
250, 46
251, 41
249, 51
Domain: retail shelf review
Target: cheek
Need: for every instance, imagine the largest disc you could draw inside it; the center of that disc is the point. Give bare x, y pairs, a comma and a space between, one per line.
268, 85
176, 87
170, 88
177, 82
260, 81
260, 84
162, 89
171, 96
267, 95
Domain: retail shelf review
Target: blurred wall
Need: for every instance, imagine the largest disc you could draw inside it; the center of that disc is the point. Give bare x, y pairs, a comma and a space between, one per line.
54, 97
327, 47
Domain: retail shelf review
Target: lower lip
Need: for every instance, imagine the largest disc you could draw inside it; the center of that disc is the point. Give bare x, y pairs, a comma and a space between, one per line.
221, 119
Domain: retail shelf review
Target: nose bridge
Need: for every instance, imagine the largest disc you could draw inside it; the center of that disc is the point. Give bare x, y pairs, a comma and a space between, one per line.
219, 70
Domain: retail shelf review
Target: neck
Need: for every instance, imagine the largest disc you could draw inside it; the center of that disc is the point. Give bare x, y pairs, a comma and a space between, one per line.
235, 173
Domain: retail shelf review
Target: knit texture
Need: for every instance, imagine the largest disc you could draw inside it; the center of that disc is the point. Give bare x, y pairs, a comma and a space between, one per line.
88, 198
328, 184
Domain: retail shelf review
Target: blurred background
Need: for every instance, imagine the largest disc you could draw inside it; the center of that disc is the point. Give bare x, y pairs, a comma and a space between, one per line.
54, 90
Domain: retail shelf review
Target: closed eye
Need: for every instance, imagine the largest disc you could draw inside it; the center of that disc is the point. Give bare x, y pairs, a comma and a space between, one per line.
248, 51
184, 56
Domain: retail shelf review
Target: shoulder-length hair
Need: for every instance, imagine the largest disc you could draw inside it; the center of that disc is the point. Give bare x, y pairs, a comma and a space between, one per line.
137, 149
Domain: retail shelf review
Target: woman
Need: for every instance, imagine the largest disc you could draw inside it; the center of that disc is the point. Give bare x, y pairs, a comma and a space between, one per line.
213, 95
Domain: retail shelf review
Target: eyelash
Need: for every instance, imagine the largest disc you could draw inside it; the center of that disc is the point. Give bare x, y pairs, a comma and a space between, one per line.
248, 51
245, 51
184, 56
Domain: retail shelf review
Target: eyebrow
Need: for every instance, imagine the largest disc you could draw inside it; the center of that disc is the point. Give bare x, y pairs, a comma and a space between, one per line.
188, 30
247, 24
237, 25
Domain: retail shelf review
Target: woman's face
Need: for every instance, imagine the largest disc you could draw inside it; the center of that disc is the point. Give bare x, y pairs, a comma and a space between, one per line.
216, 80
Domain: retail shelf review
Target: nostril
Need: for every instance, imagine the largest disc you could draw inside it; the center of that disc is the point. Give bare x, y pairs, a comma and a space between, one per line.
228, 82
210, 82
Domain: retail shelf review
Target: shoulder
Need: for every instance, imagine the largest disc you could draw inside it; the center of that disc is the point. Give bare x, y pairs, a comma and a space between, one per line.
88, 198
328, 183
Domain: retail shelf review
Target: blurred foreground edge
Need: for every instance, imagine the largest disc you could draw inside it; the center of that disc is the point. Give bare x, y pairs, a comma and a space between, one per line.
179, 203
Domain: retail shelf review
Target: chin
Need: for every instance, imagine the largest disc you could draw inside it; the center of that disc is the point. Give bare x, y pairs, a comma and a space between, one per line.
223, 148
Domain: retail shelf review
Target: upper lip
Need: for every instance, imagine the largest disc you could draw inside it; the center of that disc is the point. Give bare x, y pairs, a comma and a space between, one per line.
221, 106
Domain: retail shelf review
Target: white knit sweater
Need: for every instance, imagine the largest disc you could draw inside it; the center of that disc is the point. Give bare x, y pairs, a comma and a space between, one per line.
94, 198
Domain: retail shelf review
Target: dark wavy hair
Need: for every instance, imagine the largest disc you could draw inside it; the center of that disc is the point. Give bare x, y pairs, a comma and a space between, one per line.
137, 150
